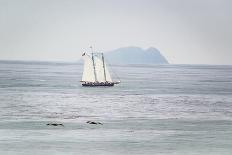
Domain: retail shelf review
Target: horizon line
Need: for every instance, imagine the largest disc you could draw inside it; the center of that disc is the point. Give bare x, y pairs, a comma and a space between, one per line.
78, 62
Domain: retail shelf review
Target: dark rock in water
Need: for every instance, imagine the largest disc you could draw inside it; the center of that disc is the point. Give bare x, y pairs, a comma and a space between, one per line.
55, 124
92, 122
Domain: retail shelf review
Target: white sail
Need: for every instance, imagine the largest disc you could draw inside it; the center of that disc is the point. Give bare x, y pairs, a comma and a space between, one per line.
88, 72
102, 72
95, 66
108, 77
99, 69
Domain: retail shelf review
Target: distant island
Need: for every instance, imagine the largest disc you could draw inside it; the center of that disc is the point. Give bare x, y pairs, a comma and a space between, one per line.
135, 55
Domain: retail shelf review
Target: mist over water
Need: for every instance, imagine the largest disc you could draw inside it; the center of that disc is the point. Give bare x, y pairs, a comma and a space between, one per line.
157, 109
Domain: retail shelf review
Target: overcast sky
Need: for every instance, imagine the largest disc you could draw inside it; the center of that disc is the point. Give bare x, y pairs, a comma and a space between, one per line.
185, 31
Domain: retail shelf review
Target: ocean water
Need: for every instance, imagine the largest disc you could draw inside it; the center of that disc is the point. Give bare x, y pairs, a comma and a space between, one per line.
156, 110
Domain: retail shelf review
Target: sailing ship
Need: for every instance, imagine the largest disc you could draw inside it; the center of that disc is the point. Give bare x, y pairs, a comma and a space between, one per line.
95, 72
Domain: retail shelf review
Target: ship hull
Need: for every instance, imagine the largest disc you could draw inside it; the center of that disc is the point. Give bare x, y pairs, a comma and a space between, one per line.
97, 84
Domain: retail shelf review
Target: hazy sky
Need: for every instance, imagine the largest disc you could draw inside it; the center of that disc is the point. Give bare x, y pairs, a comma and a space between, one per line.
185, 31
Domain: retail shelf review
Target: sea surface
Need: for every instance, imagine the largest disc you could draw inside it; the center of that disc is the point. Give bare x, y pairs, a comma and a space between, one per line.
156, 110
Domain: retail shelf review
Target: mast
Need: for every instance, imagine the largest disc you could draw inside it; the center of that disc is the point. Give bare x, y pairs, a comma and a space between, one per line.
104, 66
94, 69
